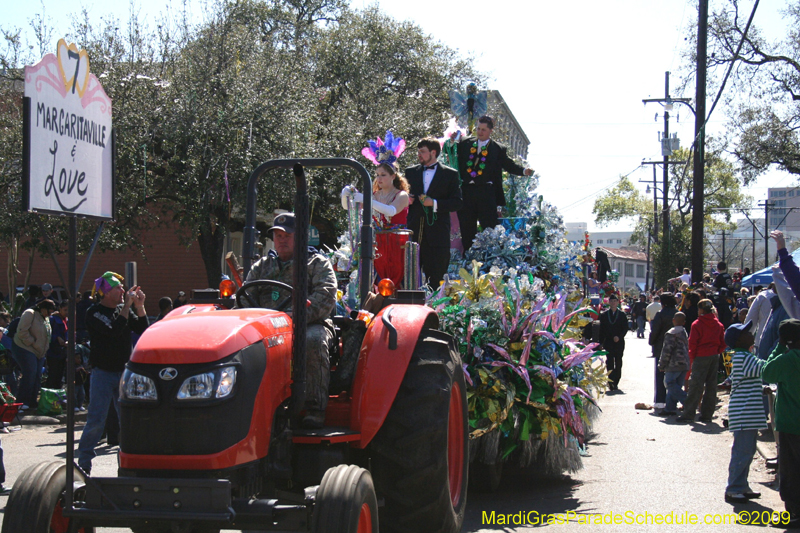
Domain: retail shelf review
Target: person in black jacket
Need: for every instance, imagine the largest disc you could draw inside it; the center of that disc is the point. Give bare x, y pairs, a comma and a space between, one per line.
435, 192
481, 162
639, 315
659, 327
110, 323
613, 327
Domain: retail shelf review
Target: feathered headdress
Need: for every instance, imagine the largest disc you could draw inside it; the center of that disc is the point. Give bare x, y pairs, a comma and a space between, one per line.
387, 151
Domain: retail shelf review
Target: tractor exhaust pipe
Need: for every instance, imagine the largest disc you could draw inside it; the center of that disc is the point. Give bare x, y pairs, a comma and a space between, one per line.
300, 293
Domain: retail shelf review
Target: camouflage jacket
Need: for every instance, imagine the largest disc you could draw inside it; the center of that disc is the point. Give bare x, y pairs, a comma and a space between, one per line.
321, 284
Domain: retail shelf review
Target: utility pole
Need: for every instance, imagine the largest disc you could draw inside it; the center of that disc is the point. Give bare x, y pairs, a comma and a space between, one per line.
666, 149
766, 206
723, 245
665, 208
647, 272
655, 207
753, 264
655, 197
698, 178
665, 229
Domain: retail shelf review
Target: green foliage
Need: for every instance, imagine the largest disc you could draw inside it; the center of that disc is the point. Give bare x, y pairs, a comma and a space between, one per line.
722, 190
762, 90
256, 80
622, 201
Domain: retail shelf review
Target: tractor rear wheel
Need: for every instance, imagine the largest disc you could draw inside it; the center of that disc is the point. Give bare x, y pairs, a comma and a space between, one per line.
36, 503
420, 455
345, 502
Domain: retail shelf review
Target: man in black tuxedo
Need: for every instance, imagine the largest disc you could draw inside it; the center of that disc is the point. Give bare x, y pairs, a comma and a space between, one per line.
482, 179
435, 192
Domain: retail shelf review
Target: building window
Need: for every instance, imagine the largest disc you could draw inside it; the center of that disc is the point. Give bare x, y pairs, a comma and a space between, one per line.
639, 271
619, 241
780, 203
628, 270
791, 193
599, 241
779, 194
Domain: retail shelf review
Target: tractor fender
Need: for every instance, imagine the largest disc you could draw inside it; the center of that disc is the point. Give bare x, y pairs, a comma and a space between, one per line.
381, 368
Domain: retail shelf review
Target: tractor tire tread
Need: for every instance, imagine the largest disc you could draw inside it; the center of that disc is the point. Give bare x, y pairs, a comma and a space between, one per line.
409, 452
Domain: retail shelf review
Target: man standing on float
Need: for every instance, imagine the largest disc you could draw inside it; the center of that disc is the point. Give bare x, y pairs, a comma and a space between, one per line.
481, 162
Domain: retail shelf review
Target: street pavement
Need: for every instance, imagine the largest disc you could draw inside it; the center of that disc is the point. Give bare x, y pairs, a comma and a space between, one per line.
638, 464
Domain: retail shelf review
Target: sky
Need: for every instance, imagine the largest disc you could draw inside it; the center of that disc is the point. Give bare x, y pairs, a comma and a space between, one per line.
573, 73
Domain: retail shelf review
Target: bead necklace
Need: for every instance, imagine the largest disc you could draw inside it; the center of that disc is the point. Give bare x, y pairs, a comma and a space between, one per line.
473, 169
616, 315
384, 197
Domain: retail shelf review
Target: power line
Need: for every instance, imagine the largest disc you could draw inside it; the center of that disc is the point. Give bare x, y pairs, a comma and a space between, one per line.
616, 180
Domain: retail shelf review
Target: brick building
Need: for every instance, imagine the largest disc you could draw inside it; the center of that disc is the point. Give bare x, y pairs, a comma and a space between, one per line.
164, 267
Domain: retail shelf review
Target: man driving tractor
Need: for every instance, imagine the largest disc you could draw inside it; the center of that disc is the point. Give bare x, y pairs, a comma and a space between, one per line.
277, 266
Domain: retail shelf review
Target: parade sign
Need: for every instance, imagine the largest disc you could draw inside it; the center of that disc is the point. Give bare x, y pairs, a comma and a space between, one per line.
68, 138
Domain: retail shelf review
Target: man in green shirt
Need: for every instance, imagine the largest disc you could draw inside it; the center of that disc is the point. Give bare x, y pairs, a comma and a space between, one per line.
783, 368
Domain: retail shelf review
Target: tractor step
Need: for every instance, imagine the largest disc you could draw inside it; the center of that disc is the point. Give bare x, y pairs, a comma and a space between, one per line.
331, 435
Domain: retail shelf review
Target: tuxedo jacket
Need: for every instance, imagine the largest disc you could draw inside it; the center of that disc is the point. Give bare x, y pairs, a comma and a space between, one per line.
497, 161
446, 190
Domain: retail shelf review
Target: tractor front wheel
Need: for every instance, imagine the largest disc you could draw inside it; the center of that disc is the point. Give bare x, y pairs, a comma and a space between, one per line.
345, 502
420, 455
36, 503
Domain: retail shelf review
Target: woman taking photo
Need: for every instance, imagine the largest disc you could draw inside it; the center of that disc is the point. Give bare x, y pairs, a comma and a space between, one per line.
30, 346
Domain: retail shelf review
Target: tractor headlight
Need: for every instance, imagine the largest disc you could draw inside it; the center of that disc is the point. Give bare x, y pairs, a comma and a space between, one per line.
198, 387
201, 386
227, 379
135, 386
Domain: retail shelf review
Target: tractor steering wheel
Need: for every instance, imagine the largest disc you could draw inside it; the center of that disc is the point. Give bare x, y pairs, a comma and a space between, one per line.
259, 283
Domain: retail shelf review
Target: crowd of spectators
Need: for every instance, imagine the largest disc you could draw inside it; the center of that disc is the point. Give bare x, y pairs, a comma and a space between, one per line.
717, 327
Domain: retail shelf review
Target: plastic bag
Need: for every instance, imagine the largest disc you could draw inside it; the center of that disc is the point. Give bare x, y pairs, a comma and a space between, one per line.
51, 402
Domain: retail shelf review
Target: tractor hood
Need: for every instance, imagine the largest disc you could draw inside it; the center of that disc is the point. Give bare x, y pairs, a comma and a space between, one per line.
204, 334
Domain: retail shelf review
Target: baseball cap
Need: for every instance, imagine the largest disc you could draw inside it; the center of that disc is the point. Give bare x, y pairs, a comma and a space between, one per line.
284, 221
47, 287
735, 331
789, 330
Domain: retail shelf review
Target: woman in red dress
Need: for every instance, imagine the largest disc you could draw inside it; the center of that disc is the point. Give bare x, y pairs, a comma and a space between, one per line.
390, 209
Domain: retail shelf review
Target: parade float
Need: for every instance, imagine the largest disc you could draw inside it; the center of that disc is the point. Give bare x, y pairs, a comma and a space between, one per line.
515, 303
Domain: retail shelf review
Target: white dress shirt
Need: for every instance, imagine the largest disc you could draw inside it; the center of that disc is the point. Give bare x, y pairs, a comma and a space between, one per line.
427, 178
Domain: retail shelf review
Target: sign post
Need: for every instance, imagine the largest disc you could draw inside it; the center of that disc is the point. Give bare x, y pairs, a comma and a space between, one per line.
68, 170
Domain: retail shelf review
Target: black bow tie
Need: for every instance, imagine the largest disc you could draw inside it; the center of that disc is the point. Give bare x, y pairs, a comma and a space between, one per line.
432, 167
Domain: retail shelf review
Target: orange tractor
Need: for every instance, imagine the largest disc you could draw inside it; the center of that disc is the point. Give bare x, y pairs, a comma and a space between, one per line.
210, 438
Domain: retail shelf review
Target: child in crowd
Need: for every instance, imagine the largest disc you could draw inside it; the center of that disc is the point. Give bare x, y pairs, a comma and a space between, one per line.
745, 411
674, 362
783, 368
706, 343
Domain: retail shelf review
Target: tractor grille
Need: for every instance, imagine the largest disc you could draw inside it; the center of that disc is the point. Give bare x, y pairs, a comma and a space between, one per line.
200, 427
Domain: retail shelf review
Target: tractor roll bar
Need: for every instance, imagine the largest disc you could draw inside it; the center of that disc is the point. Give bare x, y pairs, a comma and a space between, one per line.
367, 253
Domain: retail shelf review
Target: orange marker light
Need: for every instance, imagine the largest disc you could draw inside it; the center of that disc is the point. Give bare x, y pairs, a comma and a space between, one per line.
226, 288
386, 287
365, 316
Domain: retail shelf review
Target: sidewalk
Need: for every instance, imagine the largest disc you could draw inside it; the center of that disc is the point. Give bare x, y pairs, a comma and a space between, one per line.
638, 463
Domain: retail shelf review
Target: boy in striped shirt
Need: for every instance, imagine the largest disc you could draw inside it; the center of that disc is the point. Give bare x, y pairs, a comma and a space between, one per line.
745, 411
